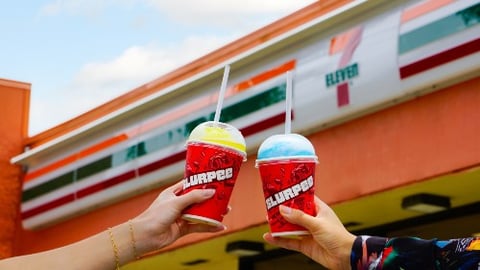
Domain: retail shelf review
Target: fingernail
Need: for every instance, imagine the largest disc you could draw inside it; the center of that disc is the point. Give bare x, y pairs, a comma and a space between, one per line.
208, 192
285, 209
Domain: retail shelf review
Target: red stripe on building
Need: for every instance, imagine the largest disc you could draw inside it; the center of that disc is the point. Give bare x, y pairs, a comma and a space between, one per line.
48, 206
127, 176
106, 184
162, 163
267, 123
179, 112
440, 58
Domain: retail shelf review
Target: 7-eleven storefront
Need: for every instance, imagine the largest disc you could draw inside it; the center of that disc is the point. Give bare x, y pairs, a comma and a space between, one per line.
390, 102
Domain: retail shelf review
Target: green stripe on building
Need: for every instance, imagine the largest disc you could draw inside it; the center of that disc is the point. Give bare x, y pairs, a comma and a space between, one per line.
157, 142
55, 183
439, 29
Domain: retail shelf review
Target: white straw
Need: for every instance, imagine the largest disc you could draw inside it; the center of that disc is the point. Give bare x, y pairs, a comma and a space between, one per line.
223, 88
288, 110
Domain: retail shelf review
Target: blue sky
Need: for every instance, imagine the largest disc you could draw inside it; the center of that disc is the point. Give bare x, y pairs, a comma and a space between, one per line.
78, 54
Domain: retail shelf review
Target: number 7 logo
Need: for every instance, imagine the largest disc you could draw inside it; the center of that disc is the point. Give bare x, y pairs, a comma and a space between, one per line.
346, 44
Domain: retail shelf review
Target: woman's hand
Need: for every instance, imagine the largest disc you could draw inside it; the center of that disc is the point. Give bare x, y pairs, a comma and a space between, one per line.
330, 243
160, 224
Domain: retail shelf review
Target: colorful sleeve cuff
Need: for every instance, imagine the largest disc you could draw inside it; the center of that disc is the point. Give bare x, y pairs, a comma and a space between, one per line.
376, 253
366, 252
410, 253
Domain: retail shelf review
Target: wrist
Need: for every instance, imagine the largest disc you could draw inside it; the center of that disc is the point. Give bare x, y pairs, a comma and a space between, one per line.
123, 243
143, 235
346, 251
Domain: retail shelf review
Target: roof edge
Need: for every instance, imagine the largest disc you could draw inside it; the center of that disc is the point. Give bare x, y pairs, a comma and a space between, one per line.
203, 63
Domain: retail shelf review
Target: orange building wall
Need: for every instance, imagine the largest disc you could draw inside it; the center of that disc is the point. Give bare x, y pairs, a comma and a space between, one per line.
14, 104
430, 136
425, 137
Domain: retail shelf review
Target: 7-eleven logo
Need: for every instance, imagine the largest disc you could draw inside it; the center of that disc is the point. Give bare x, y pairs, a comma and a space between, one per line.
345, 44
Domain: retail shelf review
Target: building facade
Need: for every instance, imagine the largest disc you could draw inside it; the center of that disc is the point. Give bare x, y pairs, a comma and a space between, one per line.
387, 91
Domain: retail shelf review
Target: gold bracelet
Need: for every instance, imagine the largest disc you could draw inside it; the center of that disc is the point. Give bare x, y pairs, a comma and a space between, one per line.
115, 249
132, 238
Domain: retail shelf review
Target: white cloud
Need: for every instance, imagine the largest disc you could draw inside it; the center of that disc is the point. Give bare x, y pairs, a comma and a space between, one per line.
99, 82
194, 6
221, 13
140, 64
72, 7
82, 7
203, 8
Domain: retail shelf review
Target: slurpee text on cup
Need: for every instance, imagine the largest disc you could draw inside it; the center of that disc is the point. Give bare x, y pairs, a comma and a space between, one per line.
286, 163
215, 152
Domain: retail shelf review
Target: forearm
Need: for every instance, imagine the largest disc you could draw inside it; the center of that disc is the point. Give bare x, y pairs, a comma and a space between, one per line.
158, 226
96, 253
413, 253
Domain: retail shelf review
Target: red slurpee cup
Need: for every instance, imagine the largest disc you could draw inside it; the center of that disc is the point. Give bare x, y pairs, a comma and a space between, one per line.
287, 168
215, 152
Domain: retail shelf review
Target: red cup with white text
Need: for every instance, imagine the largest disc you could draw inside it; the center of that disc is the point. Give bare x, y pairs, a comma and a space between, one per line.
215, 153
287, 164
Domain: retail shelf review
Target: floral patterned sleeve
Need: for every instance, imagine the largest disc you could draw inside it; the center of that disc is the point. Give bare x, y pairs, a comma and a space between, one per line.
409, 253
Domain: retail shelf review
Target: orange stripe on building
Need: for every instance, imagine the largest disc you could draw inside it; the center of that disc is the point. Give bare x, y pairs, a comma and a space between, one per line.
423, 8
72, 158
211, 99
102, 145
175, 114
265, 76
